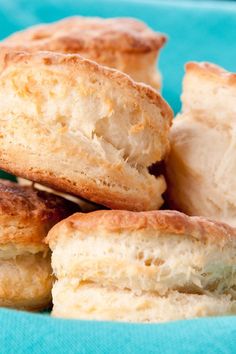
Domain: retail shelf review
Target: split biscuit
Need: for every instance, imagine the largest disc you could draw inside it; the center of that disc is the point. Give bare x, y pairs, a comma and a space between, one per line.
81, 128
161, 258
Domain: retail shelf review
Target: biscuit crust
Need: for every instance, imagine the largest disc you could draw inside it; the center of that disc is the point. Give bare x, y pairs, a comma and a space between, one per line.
162, 221
75, 34
211, 71
27, 214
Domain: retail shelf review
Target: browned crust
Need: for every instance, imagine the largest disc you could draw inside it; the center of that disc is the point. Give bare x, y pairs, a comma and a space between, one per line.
84, 189
162, 221
211, 71
16, 200
10, 57
75, 34
27, 214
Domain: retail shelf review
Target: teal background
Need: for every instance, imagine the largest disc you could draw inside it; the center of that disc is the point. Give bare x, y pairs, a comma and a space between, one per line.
197, 31
41, 334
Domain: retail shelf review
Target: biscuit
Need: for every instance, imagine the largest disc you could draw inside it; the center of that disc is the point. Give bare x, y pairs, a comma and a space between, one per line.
162, 257
202, 165
81, 128
125, 44
26, 215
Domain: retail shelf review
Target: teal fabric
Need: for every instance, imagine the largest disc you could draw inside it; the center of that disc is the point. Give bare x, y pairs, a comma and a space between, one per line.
197, 31
26, 333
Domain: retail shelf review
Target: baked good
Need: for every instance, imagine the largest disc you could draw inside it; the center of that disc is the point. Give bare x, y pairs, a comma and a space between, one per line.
201, 166
125, 44
146, 263
82, 128
26, 215
132, 250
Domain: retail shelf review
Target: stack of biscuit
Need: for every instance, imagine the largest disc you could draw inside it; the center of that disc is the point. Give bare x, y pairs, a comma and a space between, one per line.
81, 116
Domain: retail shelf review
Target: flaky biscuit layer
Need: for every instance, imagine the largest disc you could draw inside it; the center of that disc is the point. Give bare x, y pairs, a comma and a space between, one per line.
92, 302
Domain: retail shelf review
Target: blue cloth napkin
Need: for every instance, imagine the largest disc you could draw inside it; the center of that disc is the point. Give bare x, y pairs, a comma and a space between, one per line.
197, 31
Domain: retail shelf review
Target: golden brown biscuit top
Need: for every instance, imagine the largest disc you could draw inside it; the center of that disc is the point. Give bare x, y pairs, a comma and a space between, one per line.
161, 221
77, 64
29, 203
211, 71
75, 34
